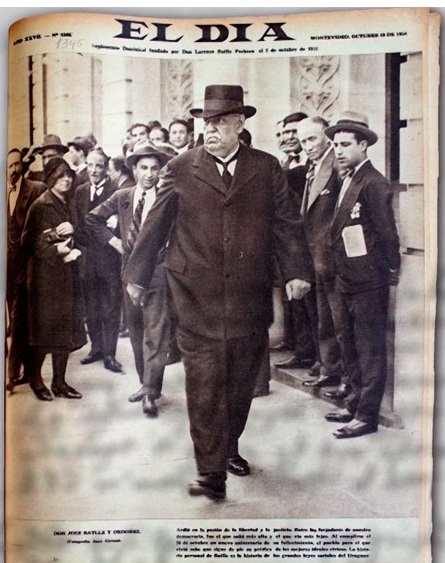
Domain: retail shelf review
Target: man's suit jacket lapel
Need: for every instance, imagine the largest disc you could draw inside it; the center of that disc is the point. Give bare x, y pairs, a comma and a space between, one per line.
321, 178
349, 199
245, 171
206, 170
127, 210
22, 203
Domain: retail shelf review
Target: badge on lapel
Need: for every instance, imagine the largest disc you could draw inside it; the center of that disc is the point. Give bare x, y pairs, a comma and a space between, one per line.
325, 192
355, 212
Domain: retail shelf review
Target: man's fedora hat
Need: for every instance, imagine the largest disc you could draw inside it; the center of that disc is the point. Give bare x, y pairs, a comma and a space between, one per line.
52, 142
354, 122
221, 99
145, 148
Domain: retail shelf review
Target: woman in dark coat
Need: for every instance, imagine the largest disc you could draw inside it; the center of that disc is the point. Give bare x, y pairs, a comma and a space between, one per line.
55, 310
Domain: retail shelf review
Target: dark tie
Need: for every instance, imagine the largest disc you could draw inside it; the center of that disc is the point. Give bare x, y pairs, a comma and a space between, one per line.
345, 176
310, 175
135, 226
226, 176
95, 199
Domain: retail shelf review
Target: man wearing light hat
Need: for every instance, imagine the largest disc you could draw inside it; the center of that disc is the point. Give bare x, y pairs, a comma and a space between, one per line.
149, 325
225, 209
365, 243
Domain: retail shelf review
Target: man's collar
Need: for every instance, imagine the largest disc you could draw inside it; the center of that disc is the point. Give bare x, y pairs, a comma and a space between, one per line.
228, 157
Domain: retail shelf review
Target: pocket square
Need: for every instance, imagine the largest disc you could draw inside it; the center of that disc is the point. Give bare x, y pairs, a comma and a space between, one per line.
325, 192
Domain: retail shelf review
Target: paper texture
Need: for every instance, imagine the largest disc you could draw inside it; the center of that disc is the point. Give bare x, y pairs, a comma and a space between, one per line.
95, 481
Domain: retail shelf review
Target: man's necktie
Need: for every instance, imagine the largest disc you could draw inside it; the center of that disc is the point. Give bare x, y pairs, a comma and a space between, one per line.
346, 176
226, 176
95, 197
310, 175
135, 226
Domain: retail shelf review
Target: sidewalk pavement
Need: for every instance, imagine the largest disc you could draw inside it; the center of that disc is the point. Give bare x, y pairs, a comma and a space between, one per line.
100, 457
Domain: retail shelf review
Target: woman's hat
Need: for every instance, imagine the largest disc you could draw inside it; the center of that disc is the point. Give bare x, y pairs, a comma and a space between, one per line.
221, 99
354, 122
145, 148
55, 169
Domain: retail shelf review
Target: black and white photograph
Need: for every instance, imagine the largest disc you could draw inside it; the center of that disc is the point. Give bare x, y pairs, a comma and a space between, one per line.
220, 288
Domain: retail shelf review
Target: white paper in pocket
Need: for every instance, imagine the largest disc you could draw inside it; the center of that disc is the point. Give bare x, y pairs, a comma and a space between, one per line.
354, 241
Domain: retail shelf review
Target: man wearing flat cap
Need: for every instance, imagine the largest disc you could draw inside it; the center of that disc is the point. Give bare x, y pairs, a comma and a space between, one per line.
149, 325
365, 244
226, 209
78, 150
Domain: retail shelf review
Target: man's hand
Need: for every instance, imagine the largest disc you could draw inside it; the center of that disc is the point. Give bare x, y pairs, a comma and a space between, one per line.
296, 289
116, 243
136, 294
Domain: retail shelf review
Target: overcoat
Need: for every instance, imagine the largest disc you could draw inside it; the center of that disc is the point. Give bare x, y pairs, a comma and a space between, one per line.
366, 206
221, 242
55, 308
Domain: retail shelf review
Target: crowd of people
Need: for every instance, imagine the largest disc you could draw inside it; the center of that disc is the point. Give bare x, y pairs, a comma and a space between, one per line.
181, 241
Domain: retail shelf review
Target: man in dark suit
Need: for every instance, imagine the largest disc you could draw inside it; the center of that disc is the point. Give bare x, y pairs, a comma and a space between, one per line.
365, 243
149, 325
318, 205
300, 316
225, 209
101, 267
78, 150
21, 194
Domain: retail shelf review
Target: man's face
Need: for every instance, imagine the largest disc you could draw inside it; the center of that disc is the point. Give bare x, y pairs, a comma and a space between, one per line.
156, 137
14, 167
96, 167
146, 172
313, 140
291, 144
139, 133
48, 154
221, 133
178, 135
74, 155
348, 151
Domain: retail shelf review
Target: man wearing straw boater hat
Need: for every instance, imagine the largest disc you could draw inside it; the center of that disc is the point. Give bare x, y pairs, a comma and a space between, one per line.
225, 208
365, 243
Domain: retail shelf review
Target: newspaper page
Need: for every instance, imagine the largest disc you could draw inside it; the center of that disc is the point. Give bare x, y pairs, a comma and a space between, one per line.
99, 479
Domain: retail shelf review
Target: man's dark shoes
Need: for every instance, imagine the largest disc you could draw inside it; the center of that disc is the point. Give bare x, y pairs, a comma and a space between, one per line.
213, 486
43, 394
149, 407
112, 364
64, 390
238, 466
173, 357
323, 381
91, 358
339, 416
341, 393
295, 363
138, 395
314, 370
355, 430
